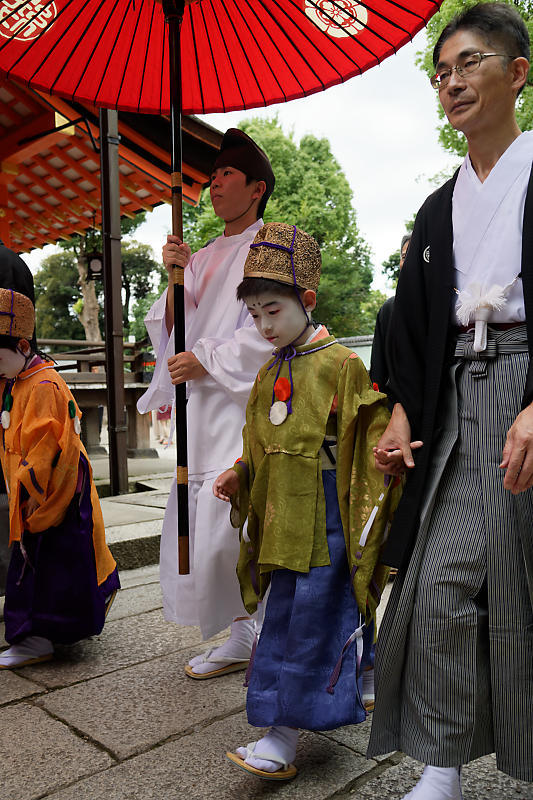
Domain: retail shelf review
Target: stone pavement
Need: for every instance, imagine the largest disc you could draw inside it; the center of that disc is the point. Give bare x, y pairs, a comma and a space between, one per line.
116, 718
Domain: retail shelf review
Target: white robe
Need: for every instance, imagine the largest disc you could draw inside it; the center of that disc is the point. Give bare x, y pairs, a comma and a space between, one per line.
222, 335
487, 225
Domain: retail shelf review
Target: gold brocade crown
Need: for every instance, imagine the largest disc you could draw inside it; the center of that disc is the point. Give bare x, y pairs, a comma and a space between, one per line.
17, 315
284, 253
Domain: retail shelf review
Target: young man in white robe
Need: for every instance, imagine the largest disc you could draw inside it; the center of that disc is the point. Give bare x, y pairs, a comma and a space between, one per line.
224, 353
454, 662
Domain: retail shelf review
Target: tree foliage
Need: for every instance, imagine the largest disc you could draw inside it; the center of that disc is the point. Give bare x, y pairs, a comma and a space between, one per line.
453, 141
313, 193
56, 293
59, 281
391, 267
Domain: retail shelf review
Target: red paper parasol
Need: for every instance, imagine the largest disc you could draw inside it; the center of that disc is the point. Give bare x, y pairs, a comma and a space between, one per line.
213, 55
234, 55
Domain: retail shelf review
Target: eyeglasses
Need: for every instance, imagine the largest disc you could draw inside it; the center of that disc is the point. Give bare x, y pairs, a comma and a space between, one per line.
469, 65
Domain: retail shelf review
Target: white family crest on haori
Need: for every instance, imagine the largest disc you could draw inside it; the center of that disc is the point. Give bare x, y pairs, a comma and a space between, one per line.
339, 18
25, 19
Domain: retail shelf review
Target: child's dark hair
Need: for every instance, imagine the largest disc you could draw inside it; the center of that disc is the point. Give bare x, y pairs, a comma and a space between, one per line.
253, 287
9, 343
12, 343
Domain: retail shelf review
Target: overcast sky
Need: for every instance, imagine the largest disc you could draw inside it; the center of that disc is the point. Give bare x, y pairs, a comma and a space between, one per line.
382, 130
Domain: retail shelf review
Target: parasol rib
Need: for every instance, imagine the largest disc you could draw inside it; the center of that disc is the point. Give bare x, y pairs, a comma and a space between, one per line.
211, 52
243, 49
146, 56
197, 62
267, 33
266, 63
110, 54
89, 60
230, 62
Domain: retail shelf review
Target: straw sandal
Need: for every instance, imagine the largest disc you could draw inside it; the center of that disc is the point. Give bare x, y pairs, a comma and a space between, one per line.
285, 773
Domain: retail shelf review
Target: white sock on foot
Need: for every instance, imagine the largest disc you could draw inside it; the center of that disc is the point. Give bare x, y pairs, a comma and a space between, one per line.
29, 648
237, 648
368, 685
437, 783
279, 744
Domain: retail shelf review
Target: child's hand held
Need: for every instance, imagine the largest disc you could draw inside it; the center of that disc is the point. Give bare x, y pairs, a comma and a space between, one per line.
226, 485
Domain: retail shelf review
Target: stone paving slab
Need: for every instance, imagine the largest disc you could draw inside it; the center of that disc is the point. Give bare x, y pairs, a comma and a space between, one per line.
40, 754
133, 531
139, 577
14, 687
119, 514
152, 499
122, 643
156, 700
194, 767
136, 600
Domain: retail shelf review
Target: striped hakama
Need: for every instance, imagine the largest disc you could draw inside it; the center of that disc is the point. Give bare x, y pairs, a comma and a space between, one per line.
454, 661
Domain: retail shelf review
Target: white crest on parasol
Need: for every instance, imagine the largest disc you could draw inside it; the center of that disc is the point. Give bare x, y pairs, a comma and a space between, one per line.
339, 18
25, 19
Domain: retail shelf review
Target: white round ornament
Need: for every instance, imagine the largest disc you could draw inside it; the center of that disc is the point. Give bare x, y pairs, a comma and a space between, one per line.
5, 419
77, 425
278, 412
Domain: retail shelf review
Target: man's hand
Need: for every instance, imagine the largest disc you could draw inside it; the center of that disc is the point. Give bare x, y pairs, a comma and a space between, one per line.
185, 367
393, 453
518, 453
226, 485
175, 252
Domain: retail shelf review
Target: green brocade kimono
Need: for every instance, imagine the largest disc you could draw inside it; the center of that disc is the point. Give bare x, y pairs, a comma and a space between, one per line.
281, 493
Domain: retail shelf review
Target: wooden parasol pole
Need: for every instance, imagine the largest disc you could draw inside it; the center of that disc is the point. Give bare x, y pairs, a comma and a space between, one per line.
173, 10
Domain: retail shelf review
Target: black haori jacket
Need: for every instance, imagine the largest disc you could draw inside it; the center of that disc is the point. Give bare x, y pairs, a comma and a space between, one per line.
421, 343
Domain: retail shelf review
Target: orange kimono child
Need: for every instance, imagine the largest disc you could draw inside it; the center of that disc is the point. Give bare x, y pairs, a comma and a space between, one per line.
62, 574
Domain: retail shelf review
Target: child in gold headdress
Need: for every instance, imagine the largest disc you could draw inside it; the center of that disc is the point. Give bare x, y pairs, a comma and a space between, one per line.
61, 573
315, 507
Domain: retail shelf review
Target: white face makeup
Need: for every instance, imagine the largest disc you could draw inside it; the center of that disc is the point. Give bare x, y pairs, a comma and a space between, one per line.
11, 363
278, 318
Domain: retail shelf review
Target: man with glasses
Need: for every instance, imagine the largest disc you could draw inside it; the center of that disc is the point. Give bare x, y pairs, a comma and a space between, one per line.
454, 662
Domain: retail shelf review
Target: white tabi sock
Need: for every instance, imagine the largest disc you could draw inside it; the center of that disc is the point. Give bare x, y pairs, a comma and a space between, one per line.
30, 649
368, 685
437, 783
274, 751
237, 648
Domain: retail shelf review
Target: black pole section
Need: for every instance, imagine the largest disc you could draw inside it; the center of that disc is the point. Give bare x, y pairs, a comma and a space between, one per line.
173, 10
114, 349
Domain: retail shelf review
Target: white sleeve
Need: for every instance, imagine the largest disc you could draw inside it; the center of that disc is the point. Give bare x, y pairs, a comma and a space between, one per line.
154, 318
161, 390
234, 363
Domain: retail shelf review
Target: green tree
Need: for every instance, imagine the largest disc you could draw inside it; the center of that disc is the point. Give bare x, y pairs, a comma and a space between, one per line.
139, 273
56, 293
369, 310
453, 141
313, 193
70, 306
